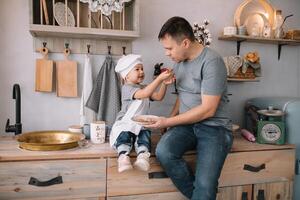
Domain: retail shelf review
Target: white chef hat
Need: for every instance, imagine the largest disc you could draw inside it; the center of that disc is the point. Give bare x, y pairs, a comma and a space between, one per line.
127, 63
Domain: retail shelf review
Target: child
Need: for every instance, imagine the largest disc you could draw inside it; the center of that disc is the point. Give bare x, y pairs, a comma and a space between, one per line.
126, 133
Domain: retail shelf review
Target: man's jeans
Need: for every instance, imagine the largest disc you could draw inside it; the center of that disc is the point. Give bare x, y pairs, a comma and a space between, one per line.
126, 140
212, 144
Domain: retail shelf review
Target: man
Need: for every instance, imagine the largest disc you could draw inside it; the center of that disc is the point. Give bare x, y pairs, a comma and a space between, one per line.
199, 119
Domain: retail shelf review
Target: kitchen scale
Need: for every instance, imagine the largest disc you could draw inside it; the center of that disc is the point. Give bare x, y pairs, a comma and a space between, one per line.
270, 126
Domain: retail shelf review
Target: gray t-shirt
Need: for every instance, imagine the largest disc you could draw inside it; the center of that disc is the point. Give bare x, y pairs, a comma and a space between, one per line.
207, 75
128, 91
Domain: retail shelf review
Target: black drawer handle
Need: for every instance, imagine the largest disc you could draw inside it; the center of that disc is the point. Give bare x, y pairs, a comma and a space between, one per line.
261, 195
157, 175
53, 181
254, 169
245, 196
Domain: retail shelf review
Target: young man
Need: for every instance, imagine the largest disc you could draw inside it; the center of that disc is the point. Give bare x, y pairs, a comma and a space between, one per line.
199, 120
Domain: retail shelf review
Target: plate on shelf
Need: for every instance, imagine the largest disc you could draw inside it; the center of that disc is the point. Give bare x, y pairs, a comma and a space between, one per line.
248, 7
144, 119
255, 21
60, 15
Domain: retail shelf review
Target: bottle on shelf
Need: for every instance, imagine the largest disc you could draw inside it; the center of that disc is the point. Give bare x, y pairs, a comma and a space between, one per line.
278, 31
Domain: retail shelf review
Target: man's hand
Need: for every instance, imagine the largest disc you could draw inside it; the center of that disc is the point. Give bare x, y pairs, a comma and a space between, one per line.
169, 80
159, 122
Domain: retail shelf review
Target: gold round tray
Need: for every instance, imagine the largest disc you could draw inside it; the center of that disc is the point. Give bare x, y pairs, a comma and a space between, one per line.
49, 140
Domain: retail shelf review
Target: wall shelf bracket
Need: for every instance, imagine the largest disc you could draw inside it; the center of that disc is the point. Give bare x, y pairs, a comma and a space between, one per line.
238, 46
279, 50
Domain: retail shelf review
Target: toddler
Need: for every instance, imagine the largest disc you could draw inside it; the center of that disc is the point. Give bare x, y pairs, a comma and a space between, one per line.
125, 133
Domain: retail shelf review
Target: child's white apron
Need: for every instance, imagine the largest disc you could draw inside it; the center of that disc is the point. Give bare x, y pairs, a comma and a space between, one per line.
137, 107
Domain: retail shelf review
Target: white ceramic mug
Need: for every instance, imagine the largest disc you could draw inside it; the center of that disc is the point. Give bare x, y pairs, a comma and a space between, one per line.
97, 131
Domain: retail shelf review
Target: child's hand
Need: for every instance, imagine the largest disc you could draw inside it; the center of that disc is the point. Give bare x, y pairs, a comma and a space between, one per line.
166, 74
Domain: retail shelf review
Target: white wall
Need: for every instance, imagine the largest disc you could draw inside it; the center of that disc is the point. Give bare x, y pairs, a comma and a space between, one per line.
46, 111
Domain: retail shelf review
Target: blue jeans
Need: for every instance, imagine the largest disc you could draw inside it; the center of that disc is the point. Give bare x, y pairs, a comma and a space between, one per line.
212, 144
126, 140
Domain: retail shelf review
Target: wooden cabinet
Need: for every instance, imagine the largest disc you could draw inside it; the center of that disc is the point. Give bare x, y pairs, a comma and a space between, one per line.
251, 171
247, 165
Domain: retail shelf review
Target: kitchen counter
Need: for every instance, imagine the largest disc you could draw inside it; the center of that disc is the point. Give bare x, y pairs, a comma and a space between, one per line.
10, 151
90, 172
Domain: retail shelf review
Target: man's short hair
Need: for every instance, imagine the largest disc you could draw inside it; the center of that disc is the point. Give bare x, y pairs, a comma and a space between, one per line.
178, 28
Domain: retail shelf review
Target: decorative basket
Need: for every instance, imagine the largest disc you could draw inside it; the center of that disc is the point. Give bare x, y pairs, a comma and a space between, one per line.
248, 75
293, 35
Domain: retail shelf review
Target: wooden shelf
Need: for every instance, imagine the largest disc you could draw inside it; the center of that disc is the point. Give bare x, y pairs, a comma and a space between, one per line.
82, 33
242, 80
259, 40
241, 38
115, 32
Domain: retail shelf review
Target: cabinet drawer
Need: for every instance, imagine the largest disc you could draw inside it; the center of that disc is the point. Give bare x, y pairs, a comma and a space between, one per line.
136, 182
235, 193
81, 179
258, 167
270, 191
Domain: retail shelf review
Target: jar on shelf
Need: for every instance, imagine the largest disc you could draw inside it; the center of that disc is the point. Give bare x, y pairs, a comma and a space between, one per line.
267, 31
255, 32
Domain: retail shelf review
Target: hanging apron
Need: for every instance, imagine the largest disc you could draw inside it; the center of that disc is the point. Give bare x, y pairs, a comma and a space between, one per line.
137, 107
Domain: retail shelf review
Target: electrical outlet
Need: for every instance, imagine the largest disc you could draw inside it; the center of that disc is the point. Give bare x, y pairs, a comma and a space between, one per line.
297, 168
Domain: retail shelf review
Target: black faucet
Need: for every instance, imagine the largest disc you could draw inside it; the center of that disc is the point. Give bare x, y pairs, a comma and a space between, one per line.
17, 128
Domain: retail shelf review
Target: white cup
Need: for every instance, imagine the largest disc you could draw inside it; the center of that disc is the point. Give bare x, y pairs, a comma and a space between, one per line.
97, 131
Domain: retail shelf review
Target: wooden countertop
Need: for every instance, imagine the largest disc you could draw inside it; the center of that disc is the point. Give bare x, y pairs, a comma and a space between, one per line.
10, 151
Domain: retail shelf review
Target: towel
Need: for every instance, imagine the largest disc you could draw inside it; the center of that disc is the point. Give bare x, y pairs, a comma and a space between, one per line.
105, 98
86, 115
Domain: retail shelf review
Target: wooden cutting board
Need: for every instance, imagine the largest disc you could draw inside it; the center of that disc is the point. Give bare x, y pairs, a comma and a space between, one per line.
66, 77
44, 73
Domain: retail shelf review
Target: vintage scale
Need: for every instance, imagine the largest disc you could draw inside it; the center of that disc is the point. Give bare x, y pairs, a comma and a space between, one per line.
270, 126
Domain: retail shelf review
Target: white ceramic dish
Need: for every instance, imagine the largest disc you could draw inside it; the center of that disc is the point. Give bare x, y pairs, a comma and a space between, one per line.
75, 129
144, 119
